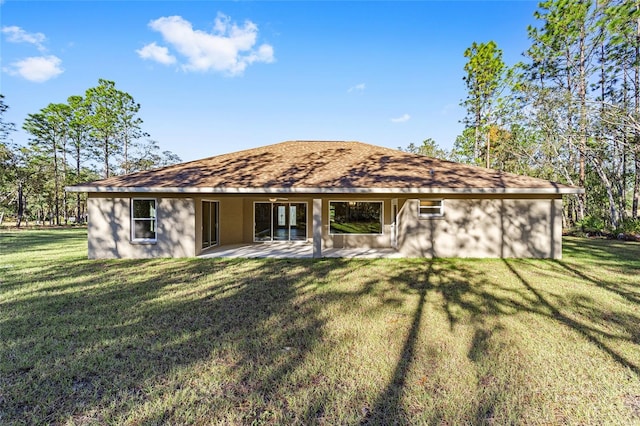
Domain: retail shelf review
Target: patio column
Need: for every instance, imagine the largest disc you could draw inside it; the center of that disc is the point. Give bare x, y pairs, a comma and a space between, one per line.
317, 228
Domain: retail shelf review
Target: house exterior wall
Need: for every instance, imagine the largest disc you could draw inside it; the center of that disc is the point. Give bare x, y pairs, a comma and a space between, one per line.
109, 228
471, 226
484, 227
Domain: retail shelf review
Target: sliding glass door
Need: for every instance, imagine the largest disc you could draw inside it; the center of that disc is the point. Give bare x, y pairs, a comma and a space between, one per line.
280, 221
209, 224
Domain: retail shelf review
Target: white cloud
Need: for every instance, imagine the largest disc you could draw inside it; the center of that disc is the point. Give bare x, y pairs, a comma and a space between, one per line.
358, 87
447, 109
37, 69
229, 48
403, 119
156, 53
16, 34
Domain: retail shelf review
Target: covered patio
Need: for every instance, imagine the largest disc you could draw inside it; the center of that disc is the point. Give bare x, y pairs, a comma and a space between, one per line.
296, 251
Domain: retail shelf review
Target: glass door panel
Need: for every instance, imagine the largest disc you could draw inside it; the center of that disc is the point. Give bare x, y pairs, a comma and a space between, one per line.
262, 229
214, 224
206, 224
209, 223
298, 221
280, 222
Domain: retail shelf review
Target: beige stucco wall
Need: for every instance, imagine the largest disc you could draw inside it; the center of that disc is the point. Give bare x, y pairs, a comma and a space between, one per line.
109, 228
471, 227
484, 227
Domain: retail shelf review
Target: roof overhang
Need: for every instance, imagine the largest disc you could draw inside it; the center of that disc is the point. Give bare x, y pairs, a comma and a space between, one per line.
227, 190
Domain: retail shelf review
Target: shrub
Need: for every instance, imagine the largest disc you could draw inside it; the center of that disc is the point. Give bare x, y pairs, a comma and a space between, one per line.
629, 227
592, 224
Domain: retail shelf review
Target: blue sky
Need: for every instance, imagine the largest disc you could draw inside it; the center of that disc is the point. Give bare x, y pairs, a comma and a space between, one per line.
215, 77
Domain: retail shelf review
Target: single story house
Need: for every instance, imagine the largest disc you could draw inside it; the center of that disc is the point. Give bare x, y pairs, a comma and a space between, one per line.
328, 194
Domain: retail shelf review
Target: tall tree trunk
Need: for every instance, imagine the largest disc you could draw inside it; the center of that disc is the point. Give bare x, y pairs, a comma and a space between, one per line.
636, 184
636, 141
488, 148
65, 212
582, 93
580, 198
625, 148
78, 211
20, 203
476, 147
599, 168
56, 184
126, 157
125, 139
106, 158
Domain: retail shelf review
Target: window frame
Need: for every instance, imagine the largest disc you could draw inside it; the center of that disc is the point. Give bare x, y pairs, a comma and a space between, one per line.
381, 202
440, 212
150, 219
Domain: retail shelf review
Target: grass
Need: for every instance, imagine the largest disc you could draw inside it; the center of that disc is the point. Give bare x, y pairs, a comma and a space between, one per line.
396, 341
356, 228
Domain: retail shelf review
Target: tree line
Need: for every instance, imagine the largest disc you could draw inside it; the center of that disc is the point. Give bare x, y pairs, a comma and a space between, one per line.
94, 136
569, 112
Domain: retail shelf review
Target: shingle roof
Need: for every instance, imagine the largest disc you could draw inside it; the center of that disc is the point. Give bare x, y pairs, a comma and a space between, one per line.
315, 166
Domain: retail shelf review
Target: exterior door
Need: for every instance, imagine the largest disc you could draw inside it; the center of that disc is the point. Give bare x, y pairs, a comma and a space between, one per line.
298, 221
262, 222
394, 223
209, 224
280, 221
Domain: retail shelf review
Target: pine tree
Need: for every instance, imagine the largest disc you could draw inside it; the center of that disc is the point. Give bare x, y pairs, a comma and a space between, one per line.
484, 79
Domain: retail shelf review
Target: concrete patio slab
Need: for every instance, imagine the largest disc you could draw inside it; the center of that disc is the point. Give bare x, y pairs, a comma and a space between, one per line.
295, 251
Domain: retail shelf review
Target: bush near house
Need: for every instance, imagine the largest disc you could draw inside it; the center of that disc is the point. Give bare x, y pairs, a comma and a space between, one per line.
629, 230
594, 226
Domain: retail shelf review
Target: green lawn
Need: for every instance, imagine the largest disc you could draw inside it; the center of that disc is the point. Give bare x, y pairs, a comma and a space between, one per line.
317, 342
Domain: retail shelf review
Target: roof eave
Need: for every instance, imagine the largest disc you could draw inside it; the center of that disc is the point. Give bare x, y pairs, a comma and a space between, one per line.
292, 190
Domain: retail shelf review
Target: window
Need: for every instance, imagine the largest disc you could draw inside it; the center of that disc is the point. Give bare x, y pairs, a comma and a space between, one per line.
143, 220
430, 208
355, 217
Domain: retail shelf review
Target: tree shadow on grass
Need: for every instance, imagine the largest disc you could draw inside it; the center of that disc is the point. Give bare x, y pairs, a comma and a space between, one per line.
620, 257
623, 254
590, 333
389, 406
37, 240
78, 348
136, 340
475, 299
461, 295
629, 292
